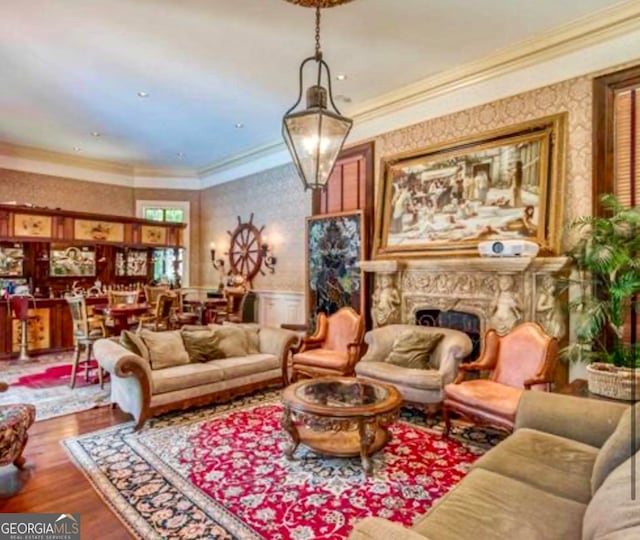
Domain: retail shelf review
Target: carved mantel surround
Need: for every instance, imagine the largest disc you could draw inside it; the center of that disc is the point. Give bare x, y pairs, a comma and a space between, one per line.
500, 291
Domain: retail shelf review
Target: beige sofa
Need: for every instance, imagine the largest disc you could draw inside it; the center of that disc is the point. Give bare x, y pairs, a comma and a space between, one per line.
144, 392
565, 473
417, 386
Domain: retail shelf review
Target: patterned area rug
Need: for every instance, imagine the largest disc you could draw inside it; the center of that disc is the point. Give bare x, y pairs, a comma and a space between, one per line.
221, 473
44, 382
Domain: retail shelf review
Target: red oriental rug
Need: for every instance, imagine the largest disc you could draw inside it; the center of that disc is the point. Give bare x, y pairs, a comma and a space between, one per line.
221, 473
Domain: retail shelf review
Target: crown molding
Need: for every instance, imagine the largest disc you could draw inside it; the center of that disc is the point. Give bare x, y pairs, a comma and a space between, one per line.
242, 158
37, 160
67, 160
587, 31
591, 30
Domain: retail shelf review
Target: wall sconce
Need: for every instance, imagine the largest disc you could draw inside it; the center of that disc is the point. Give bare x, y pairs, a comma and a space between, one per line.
218, 264
268, 260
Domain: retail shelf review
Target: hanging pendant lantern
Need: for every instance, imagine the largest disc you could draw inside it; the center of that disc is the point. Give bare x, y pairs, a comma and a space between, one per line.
315, 135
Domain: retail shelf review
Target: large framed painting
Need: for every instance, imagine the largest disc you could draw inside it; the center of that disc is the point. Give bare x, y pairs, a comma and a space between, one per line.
72, 261
445, 199
335, 245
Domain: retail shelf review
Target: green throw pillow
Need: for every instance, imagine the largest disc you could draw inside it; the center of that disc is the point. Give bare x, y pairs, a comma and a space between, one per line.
252, 334
413, 349
201, 345
231, 340
166, 349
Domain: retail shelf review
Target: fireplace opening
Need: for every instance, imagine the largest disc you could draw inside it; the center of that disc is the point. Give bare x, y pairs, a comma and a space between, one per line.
456, 320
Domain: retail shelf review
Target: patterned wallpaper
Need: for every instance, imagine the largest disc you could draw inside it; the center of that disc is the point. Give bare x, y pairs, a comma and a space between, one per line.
279, 202
65, 193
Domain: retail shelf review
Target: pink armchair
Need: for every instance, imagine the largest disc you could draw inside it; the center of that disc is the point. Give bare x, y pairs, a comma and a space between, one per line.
335, 347
524, 358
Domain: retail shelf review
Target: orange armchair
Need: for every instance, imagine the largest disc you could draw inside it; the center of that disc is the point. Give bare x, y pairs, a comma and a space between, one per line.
333, 349
524, 358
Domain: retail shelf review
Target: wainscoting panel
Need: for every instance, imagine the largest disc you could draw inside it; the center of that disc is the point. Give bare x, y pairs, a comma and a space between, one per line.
280, 307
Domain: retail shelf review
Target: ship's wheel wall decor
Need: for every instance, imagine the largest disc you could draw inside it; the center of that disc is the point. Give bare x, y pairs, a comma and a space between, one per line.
245, 253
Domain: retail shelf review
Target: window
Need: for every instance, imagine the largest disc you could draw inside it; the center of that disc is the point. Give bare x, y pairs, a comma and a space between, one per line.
626, 146
164, 260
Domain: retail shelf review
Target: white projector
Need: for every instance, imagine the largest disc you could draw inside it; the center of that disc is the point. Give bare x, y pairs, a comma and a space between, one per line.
508, 248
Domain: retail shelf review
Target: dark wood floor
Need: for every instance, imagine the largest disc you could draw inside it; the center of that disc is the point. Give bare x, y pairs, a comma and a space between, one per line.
51, 483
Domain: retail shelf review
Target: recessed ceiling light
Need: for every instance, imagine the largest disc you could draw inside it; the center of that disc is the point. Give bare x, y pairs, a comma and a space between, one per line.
95, 134
239, 125
142, 93
341, 77
77, 149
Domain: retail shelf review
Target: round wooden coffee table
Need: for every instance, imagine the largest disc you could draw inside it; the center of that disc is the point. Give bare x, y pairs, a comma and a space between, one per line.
339, 416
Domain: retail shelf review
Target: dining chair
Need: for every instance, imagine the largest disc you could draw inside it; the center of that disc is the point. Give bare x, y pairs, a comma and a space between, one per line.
161, 317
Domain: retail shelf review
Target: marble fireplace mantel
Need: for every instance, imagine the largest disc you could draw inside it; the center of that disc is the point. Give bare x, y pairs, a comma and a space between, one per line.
500, 291
469, 264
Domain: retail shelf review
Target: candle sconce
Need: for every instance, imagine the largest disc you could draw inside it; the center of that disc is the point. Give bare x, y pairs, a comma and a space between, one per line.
218, 264
268, 259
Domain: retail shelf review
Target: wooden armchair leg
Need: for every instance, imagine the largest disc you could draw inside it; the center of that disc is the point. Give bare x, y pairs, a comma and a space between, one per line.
20, 460
447, 420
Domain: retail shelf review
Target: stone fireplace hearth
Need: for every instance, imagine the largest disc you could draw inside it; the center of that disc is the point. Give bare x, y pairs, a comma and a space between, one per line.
500, 291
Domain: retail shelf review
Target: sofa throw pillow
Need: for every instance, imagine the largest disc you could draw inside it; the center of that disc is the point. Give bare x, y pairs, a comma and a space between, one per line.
133, 343
231, 340
201, 345
166, 349
413, 349
616, 448
252, 333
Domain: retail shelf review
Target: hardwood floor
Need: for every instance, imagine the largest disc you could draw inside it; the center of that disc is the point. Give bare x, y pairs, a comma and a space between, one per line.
51, 483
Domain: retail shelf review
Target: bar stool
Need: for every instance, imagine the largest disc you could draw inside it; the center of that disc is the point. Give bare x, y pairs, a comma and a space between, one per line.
20, 308
86, 331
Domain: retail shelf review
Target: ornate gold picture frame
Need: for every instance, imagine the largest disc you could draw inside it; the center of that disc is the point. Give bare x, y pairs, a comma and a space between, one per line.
445, 199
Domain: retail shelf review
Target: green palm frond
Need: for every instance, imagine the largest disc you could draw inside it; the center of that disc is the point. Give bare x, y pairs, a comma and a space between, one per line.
607, 255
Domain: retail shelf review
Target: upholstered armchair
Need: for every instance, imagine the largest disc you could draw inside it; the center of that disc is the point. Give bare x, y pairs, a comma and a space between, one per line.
421, 387
525, 358
334, 348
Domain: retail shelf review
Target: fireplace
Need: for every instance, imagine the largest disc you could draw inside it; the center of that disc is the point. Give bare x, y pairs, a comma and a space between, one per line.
457, 320
472, 294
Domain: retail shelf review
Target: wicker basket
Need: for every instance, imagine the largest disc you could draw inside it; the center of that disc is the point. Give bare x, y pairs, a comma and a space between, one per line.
614, 382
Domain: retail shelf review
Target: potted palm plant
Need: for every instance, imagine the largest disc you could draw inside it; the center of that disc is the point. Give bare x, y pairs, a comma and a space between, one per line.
607, 259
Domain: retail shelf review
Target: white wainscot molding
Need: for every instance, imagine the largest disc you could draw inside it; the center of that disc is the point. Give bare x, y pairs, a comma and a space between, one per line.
280, 307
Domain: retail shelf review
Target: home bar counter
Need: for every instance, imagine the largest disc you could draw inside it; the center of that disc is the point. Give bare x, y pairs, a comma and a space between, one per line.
55, 252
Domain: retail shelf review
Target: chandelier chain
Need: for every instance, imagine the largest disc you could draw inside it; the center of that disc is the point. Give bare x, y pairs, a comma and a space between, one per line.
318, 51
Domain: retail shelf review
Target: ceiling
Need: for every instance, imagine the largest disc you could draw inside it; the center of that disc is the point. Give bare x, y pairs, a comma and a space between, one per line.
70, 68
